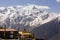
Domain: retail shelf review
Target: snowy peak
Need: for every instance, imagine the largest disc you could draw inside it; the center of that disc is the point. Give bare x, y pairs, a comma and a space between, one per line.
32, 15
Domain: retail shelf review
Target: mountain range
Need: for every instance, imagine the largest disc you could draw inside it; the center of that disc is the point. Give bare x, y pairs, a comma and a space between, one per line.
36, 19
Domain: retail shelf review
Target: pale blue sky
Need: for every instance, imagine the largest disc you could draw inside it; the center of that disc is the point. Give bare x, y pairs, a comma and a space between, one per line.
53, 4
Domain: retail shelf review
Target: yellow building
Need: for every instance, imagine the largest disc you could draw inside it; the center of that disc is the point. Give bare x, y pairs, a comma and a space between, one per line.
26, 36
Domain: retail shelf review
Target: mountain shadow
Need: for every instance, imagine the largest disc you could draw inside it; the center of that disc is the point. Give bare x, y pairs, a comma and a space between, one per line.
48, 29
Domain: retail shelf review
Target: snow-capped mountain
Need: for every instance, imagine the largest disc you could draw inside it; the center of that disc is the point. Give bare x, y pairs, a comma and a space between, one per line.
29, 17
32, 15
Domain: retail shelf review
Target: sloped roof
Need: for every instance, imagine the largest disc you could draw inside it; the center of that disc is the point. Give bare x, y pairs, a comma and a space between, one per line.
8, 29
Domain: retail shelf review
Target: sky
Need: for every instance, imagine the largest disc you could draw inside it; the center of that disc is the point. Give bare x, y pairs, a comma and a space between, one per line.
53, 4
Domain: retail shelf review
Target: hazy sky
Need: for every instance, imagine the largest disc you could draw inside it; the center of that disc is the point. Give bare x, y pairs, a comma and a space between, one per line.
53, 4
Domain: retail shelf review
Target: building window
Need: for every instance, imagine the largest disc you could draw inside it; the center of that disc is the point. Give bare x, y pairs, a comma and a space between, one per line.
11, 32
11, 36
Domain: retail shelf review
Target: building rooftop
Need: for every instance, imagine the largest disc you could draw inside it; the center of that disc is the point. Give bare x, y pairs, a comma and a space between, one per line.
22, 33
7, 29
